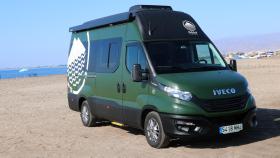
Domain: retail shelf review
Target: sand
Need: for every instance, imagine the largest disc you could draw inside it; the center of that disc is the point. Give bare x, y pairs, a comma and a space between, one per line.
36, 122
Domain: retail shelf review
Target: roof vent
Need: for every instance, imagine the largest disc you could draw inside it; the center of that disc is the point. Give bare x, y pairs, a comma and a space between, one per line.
148, 7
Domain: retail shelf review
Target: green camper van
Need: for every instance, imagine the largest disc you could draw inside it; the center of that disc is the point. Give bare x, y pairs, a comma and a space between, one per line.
154, 69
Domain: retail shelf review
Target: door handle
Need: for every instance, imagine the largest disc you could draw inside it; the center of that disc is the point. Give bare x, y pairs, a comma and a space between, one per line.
91, 76
123, 88
118, 88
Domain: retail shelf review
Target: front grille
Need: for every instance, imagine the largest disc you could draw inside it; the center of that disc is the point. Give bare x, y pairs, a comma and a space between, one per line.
221, 105
228, 120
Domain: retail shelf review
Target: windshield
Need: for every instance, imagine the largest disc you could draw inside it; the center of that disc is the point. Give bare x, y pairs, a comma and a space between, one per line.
184, 56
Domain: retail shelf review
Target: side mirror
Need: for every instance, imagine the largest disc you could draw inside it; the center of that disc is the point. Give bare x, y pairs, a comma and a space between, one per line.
233, 64
136, 73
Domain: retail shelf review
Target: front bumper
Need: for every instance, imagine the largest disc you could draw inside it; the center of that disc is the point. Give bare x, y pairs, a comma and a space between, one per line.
188, 126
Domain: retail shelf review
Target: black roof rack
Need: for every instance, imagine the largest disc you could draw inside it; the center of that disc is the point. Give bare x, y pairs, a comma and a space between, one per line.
117, 18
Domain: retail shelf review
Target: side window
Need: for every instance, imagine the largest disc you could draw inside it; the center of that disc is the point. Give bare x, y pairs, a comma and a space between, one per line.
100, 56
203, 53
142, 59
135, 55
105, 55
114, 56
131, 56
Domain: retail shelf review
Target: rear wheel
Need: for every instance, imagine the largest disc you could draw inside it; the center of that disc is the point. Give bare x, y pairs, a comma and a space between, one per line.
86, 116
154, 132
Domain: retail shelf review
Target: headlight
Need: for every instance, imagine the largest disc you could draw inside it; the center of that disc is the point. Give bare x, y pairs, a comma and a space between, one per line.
176, 93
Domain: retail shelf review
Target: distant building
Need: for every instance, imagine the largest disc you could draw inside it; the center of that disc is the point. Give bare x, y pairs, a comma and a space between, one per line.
251, 55
277, 52
270, 53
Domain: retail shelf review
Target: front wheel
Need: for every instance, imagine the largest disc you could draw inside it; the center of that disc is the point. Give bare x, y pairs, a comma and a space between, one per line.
86, 116
154, 132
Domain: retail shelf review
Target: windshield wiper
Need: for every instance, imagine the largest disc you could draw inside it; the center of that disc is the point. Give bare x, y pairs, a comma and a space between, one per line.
171, 67
208, 67
174, 69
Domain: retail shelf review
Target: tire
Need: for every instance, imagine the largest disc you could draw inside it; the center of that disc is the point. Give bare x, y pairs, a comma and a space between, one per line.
155, 136
87, 117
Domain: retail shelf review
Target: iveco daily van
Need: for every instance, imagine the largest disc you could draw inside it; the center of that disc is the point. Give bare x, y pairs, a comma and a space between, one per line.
154, 69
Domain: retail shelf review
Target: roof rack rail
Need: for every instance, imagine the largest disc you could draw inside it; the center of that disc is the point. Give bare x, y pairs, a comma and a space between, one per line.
147, 7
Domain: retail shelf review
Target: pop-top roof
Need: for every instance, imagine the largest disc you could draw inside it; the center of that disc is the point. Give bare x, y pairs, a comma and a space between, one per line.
117, 18
101, 22
154, 23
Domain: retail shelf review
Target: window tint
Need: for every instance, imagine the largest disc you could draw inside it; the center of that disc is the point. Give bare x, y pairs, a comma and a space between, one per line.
184, 56
105, 55
135, 55
131, 58
203, 53
218, 60
114, 56
170, 54
209, 54
100, 56
142, 59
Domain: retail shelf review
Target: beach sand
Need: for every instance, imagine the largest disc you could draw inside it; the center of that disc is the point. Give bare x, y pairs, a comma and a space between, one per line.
35, 121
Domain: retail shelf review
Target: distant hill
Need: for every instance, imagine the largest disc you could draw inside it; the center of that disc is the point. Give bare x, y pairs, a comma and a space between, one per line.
249, 43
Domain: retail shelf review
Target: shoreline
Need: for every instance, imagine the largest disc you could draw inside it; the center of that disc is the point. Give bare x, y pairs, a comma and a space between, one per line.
35, 67
45, 76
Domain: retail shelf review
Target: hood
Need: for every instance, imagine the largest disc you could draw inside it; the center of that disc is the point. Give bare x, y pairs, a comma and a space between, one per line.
207, 84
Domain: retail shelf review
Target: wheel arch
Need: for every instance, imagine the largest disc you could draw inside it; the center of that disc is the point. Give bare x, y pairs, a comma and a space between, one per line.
80, 102
145, 111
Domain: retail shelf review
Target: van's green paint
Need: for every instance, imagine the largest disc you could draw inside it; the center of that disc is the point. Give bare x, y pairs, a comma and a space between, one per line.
141, 96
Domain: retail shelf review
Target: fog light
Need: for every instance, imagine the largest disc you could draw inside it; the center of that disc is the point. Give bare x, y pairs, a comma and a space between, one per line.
179, 122
185, 129
197, 129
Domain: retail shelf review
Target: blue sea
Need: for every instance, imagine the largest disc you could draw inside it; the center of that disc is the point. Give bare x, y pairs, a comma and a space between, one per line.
32, 72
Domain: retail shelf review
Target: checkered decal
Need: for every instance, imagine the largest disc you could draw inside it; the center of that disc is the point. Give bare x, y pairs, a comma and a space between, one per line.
76, 66
76, 70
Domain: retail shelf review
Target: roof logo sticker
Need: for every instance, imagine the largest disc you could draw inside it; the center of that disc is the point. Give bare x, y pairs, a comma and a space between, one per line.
190, 27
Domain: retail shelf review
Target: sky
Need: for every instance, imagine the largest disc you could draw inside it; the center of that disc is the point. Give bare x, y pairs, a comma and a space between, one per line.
35, 33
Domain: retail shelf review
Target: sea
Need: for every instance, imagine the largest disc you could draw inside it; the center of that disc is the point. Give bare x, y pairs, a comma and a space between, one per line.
32, 72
